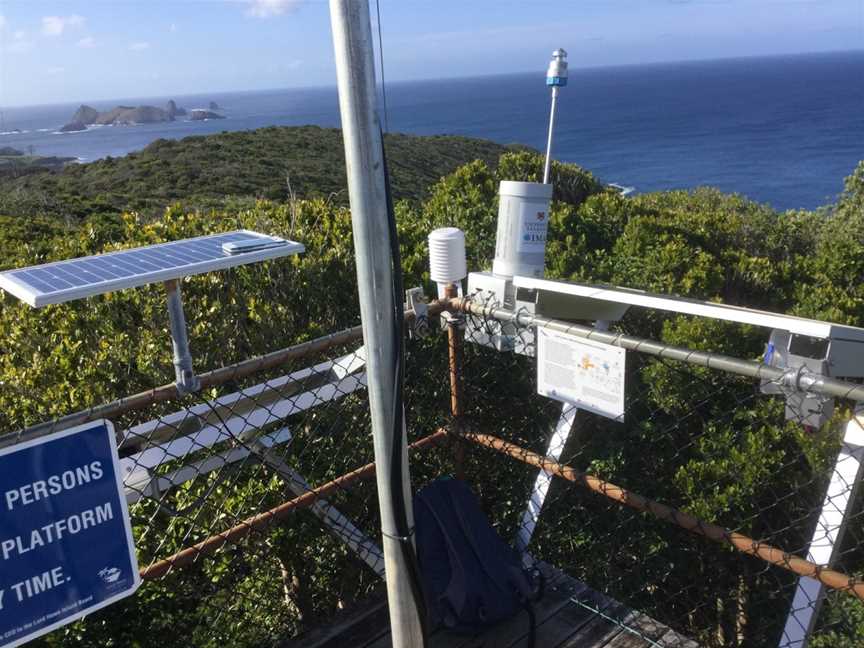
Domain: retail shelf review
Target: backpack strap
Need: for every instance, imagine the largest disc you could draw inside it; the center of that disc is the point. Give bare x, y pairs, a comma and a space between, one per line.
454, 594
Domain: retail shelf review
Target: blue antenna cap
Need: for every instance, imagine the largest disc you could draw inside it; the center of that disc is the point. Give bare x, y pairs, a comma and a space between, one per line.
556, 75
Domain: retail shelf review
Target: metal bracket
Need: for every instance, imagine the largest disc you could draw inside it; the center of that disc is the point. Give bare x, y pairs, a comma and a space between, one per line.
416, 299
184, 375
800, 372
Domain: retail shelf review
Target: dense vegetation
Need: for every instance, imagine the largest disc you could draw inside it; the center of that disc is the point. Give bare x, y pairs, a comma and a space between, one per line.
270, 163
728, 463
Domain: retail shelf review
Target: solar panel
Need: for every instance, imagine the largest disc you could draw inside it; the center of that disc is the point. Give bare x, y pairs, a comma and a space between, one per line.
62, 281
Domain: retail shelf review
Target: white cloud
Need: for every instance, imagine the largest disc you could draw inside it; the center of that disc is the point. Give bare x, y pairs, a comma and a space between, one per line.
87, 42
56, 25
268, 8
139, 46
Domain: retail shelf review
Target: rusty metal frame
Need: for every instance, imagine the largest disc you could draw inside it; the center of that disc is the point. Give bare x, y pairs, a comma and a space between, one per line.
744, 544
455, 344
261, 521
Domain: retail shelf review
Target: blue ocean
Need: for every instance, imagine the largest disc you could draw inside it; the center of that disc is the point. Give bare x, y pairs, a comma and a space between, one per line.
781, 130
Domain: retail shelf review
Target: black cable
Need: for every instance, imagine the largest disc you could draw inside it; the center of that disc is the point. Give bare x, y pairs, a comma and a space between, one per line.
404, 532
381, 59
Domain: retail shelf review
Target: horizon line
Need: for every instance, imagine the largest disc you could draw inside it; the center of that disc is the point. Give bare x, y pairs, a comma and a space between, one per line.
332, 86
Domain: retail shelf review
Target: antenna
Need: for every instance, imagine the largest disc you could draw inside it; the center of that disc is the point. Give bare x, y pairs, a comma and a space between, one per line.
556, 76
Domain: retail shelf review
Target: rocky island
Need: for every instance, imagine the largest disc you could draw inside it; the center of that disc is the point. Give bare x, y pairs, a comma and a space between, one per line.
172, 109
14, 163
128, 115
199, 114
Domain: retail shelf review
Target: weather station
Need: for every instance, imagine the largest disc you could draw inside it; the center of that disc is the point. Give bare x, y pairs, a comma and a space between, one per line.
581, 364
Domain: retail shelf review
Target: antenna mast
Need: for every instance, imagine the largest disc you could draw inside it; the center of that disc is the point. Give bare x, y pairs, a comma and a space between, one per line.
556, 76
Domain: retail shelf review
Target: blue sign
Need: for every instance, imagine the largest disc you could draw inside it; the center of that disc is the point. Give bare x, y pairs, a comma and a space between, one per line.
66, 545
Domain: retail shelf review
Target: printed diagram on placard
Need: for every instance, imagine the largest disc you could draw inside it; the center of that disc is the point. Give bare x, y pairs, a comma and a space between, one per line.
584, 373
601, 373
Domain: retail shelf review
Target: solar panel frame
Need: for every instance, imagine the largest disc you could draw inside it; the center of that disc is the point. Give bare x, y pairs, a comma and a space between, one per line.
62, 281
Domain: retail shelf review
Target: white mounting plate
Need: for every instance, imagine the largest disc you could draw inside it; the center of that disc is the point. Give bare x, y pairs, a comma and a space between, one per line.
797, 325
62, 281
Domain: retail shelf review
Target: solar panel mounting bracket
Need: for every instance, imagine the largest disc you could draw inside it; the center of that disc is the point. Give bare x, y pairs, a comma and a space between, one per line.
184, 375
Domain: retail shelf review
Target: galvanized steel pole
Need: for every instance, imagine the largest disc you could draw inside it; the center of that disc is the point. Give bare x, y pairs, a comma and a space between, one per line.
364, 158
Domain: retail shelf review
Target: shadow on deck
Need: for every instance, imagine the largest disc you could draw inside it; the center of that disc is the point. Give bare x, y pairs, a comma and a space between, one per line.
570, 615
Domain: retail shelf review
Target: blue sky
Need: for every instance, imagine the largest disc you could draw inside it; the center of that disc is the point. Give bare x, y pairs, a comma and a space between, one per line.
79, 50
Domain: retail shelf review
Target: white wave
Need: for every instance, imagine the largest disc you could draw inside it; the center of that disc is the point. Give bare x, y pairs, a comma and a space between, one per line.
622, 189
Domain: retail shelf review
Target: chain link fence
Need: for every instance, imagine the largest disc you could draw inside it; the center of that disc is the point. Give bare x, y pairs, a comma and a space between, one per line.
247, 527
697, 506
254, 507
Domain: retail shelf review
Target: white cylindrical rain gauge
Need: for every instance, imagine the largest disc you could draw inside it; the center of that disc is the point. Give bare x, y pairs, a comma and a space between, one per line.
447, 263
523, 218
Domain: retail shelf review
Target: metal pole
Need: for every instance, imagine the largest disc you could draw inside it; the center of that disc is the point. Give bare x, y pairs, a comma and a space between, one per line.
548, 165
837, 508
560, 436
534, 505
184, 375
364, 158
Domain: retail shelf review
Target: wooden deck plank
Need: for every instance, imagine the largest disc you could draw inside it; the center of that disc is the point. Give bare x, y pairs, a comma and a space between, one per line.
596, 633
558, 590
570, 615
639, 632
674, 640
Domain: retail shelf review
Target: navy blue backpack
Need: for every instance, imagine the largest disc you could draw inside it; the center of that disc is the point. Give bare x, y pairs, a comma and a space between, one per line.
471, 577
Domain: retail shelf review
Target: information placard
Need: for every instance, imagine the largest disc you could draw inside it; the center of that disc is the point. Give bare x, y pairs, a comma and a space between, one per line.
582, 372
66, 545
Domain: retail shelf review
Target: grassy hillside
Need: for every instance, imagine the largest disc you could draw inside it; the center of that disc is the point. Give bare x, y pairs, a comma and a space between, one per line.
257, 164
